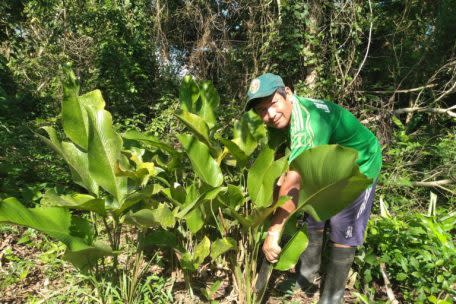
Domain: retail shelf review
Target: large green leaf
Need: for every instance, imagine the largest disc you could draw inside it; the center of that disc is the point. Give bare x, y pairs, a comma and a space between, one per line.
191, 261
209, 103
330, 180
243, 137
74, 116
247, 133
160, 238
188, 94
148, 139
234, 149
193, 200
202, 250
204, 165
76, 159
292, 250
104, 152
138, 196
160, 216
196, 124
194, 220
93, 99
202, 100
142, 172
233, 197
152, 141
262, 175
256, 125
85, 257
262, 214
77, 201
221, 246
57, 223
79, 161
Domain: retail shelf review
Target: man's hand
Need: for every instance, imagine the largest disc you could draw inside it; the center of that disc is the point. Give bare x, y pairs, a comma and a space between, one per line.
271, 246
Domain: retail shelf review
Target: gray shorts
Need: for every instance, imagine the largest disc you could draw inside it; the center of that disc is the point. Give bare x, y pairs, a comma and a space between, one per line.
348, 226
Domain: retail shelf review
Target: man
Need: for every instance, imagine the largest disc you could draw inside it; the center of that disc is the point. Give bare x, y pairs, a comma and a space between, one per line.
312, 122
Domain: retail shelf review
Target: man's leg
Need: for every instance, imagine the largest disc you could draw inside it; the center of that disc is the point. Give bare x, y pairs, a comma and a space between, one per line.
310, 259
347, 232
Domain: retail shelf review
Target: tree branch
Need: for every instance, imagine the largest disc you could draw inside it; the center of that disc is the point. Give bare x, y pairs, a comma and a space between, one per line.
447, 111
401, 91
367, 48
433, 183
437, 184
430, 110
389, 291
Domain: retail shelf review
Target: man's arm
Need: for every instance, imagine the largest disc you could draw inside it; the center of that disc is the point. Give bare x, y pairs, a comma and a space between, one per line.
290, 186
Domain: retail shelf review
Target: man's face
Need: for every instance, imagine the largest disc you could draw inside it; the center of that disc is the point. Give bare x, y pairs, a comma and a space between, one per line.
275, 111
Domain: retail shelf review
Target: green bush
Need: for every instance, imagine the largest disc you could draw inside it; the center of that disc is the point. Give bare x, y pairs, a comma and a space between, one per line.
418, 252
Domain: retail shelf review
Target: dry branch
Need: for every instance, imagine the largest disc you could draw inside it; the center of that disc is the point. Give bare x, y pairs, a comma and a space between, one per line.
437, 184
431, 85
430, 110
447, 111
367, 48
433, 183
389, 291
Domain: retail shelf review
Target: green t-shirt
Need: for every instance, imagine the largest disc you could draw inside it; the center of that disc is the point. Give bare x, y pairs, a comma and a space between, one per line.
317, 122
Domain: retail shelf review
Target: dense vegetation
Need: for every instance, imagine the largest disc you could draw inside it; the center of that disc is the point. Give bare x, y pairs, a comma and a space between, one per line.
392, 63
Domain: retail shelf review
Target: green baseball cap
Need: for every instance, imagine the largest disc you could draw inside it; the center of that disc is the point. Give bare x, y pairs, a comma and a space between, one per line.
263, 86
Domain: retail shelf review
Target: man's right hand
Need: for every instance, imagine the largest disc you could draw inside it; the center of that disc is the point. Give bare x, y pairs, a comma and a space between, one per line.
271, 247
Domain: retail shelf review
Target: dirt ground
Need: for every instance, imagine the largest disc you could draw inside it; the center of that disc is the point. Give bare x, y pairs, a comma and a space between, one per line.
31, 271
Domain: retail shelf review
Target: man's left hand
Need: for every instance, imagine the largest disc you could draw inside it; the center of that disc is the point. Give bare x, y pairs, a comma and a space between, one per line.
271, 247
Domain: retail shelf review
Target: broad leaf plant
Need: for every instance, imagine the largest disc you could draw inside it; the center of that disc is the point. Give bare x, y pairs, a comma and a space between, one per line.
216, 212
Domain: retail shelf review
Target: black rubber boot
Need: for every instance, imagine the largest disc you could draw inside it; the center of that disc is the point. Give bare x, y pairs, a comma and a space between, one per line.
337, 269
310, 260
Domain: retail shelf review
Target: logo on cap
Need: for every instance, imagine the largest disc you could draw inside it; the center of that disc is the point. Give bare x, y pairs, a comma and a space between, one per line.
254, 86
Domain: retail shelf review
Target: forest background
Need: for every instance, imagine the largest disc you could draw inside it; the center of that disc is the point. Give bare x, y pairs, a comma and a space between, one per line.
392, 63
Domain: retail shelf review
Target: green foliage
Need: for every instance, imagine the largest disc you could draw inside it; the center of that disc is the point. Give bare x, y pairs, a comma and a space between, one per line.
262, 176
135, 51
418, 252
203, 163
417, 155
95, 159
58, 223
292, 251
330, 171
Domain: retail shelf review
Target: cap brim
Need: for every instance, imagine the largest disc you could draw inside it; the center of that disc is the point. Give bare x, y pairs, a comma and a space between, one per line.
251, 99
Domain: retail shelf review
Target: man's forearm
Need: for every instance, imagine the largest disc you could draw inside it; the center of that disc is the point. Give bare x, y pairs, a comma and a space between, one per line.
281, 216
289, 187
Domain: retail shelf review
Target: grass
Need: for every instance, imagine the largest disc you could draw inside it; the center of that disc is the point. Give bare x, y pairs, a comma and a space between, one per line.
32, 270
